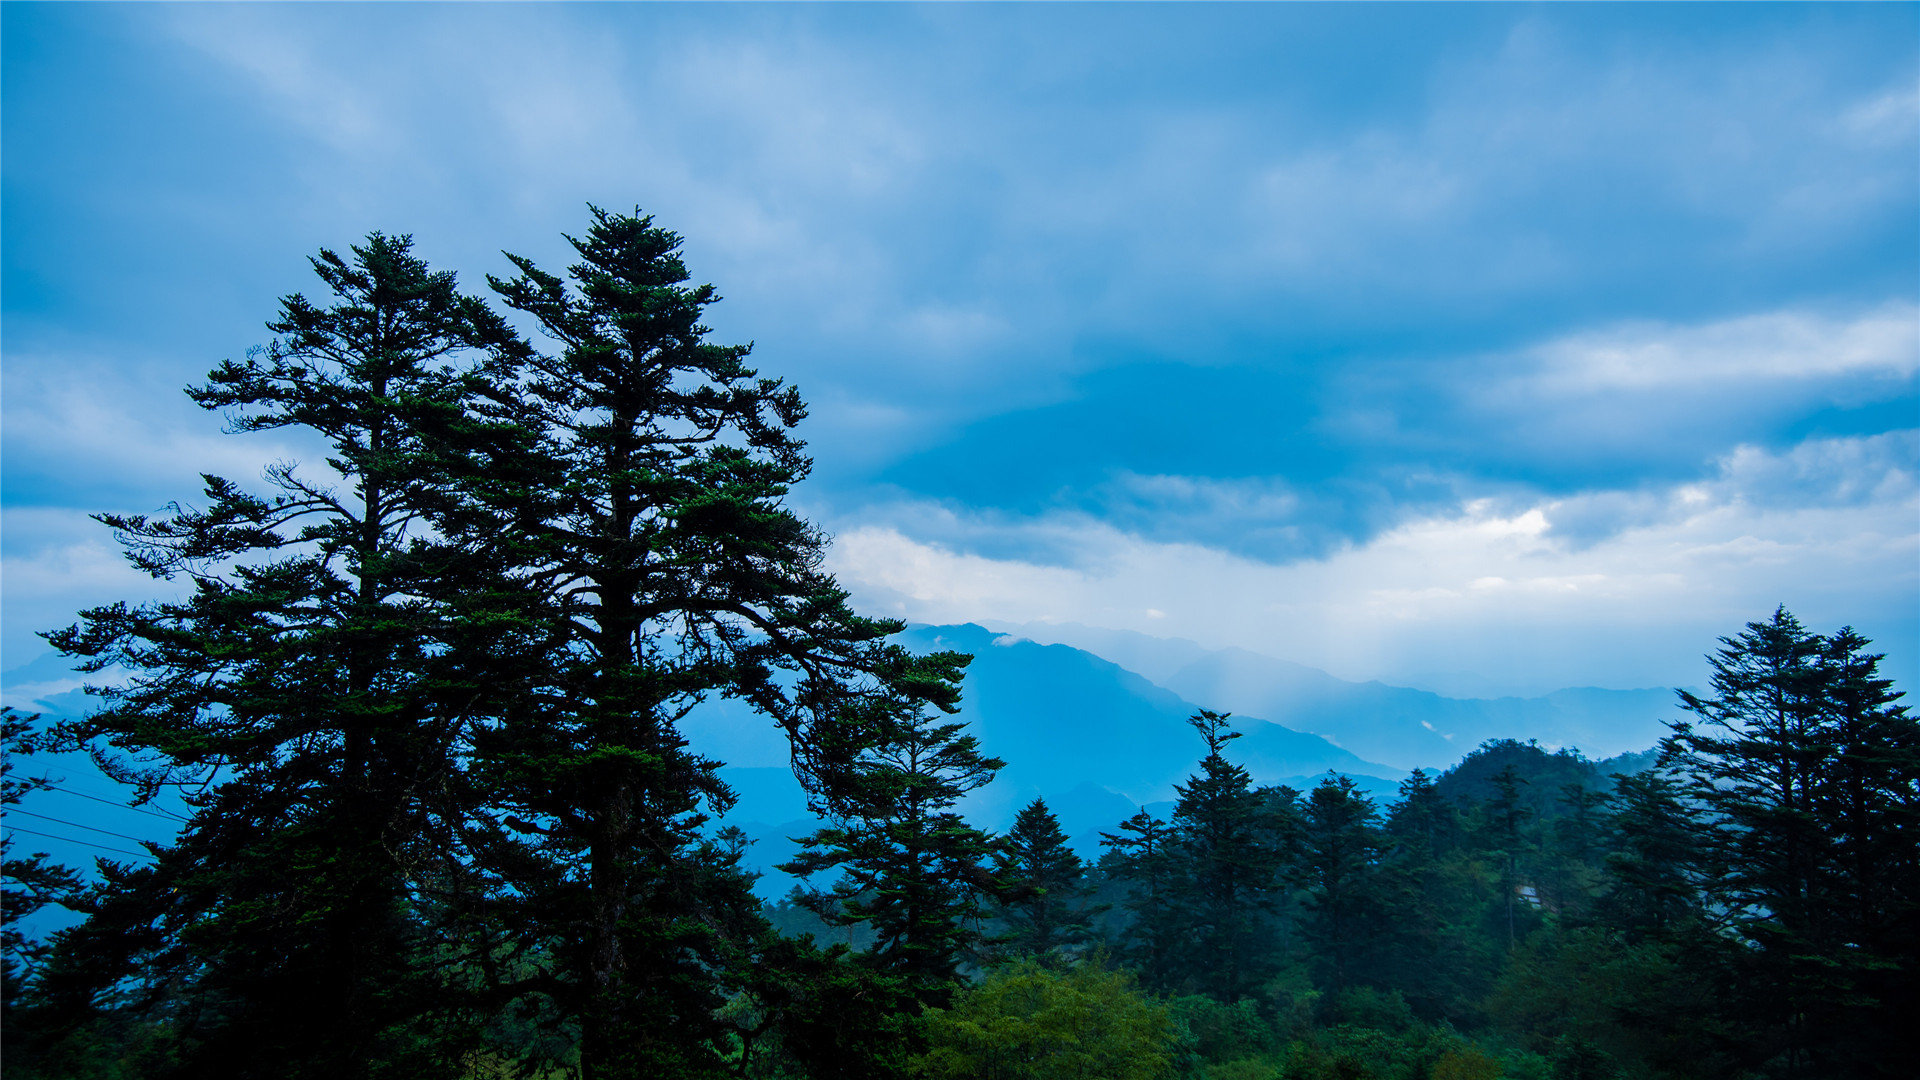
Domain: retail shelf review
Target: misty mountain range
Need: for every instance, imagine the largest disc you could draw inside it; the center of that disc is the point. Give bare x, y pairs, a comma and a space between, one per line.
1099, 729
1101, 734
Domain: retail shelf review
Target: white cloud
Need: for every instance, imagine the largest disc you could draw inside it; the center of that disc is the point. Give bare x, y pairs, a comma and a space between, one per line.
1892, 117
56, 563
98, 431
1480, 588
1883, 342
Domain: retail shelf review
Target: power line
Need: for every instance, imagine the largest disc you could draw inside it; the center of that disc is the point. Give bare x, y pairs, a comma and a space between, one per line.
82, 843
164, 815
77, 825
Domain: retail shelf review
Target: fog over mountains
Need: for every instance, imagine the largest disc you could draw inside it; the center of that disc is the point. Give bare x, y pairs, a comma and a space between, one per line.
1397, 725
1100, 730
1094, 721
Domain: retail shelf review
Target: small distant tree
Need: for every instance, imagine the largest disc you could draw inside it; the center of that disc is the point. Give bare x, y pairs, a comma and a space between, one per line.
1506, 814
1138, 858
1041, 888
1226, 860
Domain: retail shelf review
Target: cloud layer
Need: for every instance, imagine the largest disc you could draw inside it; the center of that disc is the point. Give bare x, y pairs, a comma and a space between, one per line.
1555, 340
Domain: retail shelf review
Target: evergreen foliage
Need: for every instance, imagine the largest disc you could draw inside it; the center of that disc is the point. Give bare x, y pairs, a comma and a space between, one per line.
27, 883
1138, 857
1040, 888
1339, 871
910, 866
305, 693
1226, 858
1803, 764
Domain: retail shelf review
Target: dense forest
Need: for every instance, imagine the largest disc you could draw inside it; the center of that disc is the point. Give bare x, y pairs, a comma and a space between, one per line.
424, 703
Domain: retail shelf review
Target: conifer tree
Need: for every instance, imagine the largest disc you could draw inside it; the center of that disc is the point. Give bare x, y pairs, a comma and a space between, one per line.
31, 882
304, 691
1226, 862
910, 867
655, 553
1754, 762
1654, 866
1868, 798
1138, 857
1339, 871
1421, 836
1802, 764
1040, 886
1505, 814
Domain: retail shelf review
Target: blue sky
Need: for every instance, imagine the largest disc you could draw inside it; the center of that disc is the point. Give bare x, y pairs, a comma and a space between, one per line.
1492, 347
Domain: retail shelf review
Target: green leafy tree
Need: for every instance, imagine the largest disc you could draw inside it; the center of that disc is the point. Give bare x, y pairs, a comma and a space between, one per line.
656, 566
1040, 886
1028, 1021
303, 691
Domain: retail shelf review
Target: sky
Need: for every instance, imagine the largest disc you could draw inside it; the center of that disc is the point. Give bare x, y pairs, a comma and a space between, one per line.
1482, 348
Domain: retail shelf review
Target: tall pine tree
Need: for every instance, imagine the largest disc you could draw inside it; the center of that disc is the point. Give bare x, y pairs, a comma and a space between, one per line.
1805, 769
1339, 870
304, 691
1226, 864
655, 553
1139, 859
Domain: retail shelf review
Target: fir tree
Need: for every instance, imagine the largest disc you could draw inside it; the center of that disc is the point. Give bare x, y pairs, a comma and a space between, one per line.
1040, 886
1138, 857
1422, 837
1654, 865
654, 552
1339, 871
1226, 861
1505, 815
32, 882
303, 691
910, 866
1803, 765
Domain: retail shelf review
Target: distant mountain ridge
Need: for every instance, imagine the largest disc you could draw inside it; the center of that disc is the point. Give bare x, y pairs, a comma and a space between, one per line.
1095, 740
1086, 728
1062, 716
1398, 726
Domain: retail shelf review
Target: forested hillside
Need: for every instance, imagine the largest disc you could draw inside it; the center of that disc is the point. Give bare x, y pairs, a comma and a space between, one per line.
441, 710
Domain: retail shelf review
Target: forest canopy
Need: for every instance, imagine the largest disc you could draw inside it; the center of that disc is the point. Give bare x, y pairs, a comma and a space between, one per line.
425, 703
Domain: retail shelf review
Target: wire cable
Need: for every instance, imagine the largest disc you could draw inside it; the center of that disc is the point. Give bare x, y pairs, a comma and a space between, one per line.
77, 825
83, 843
164, 815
